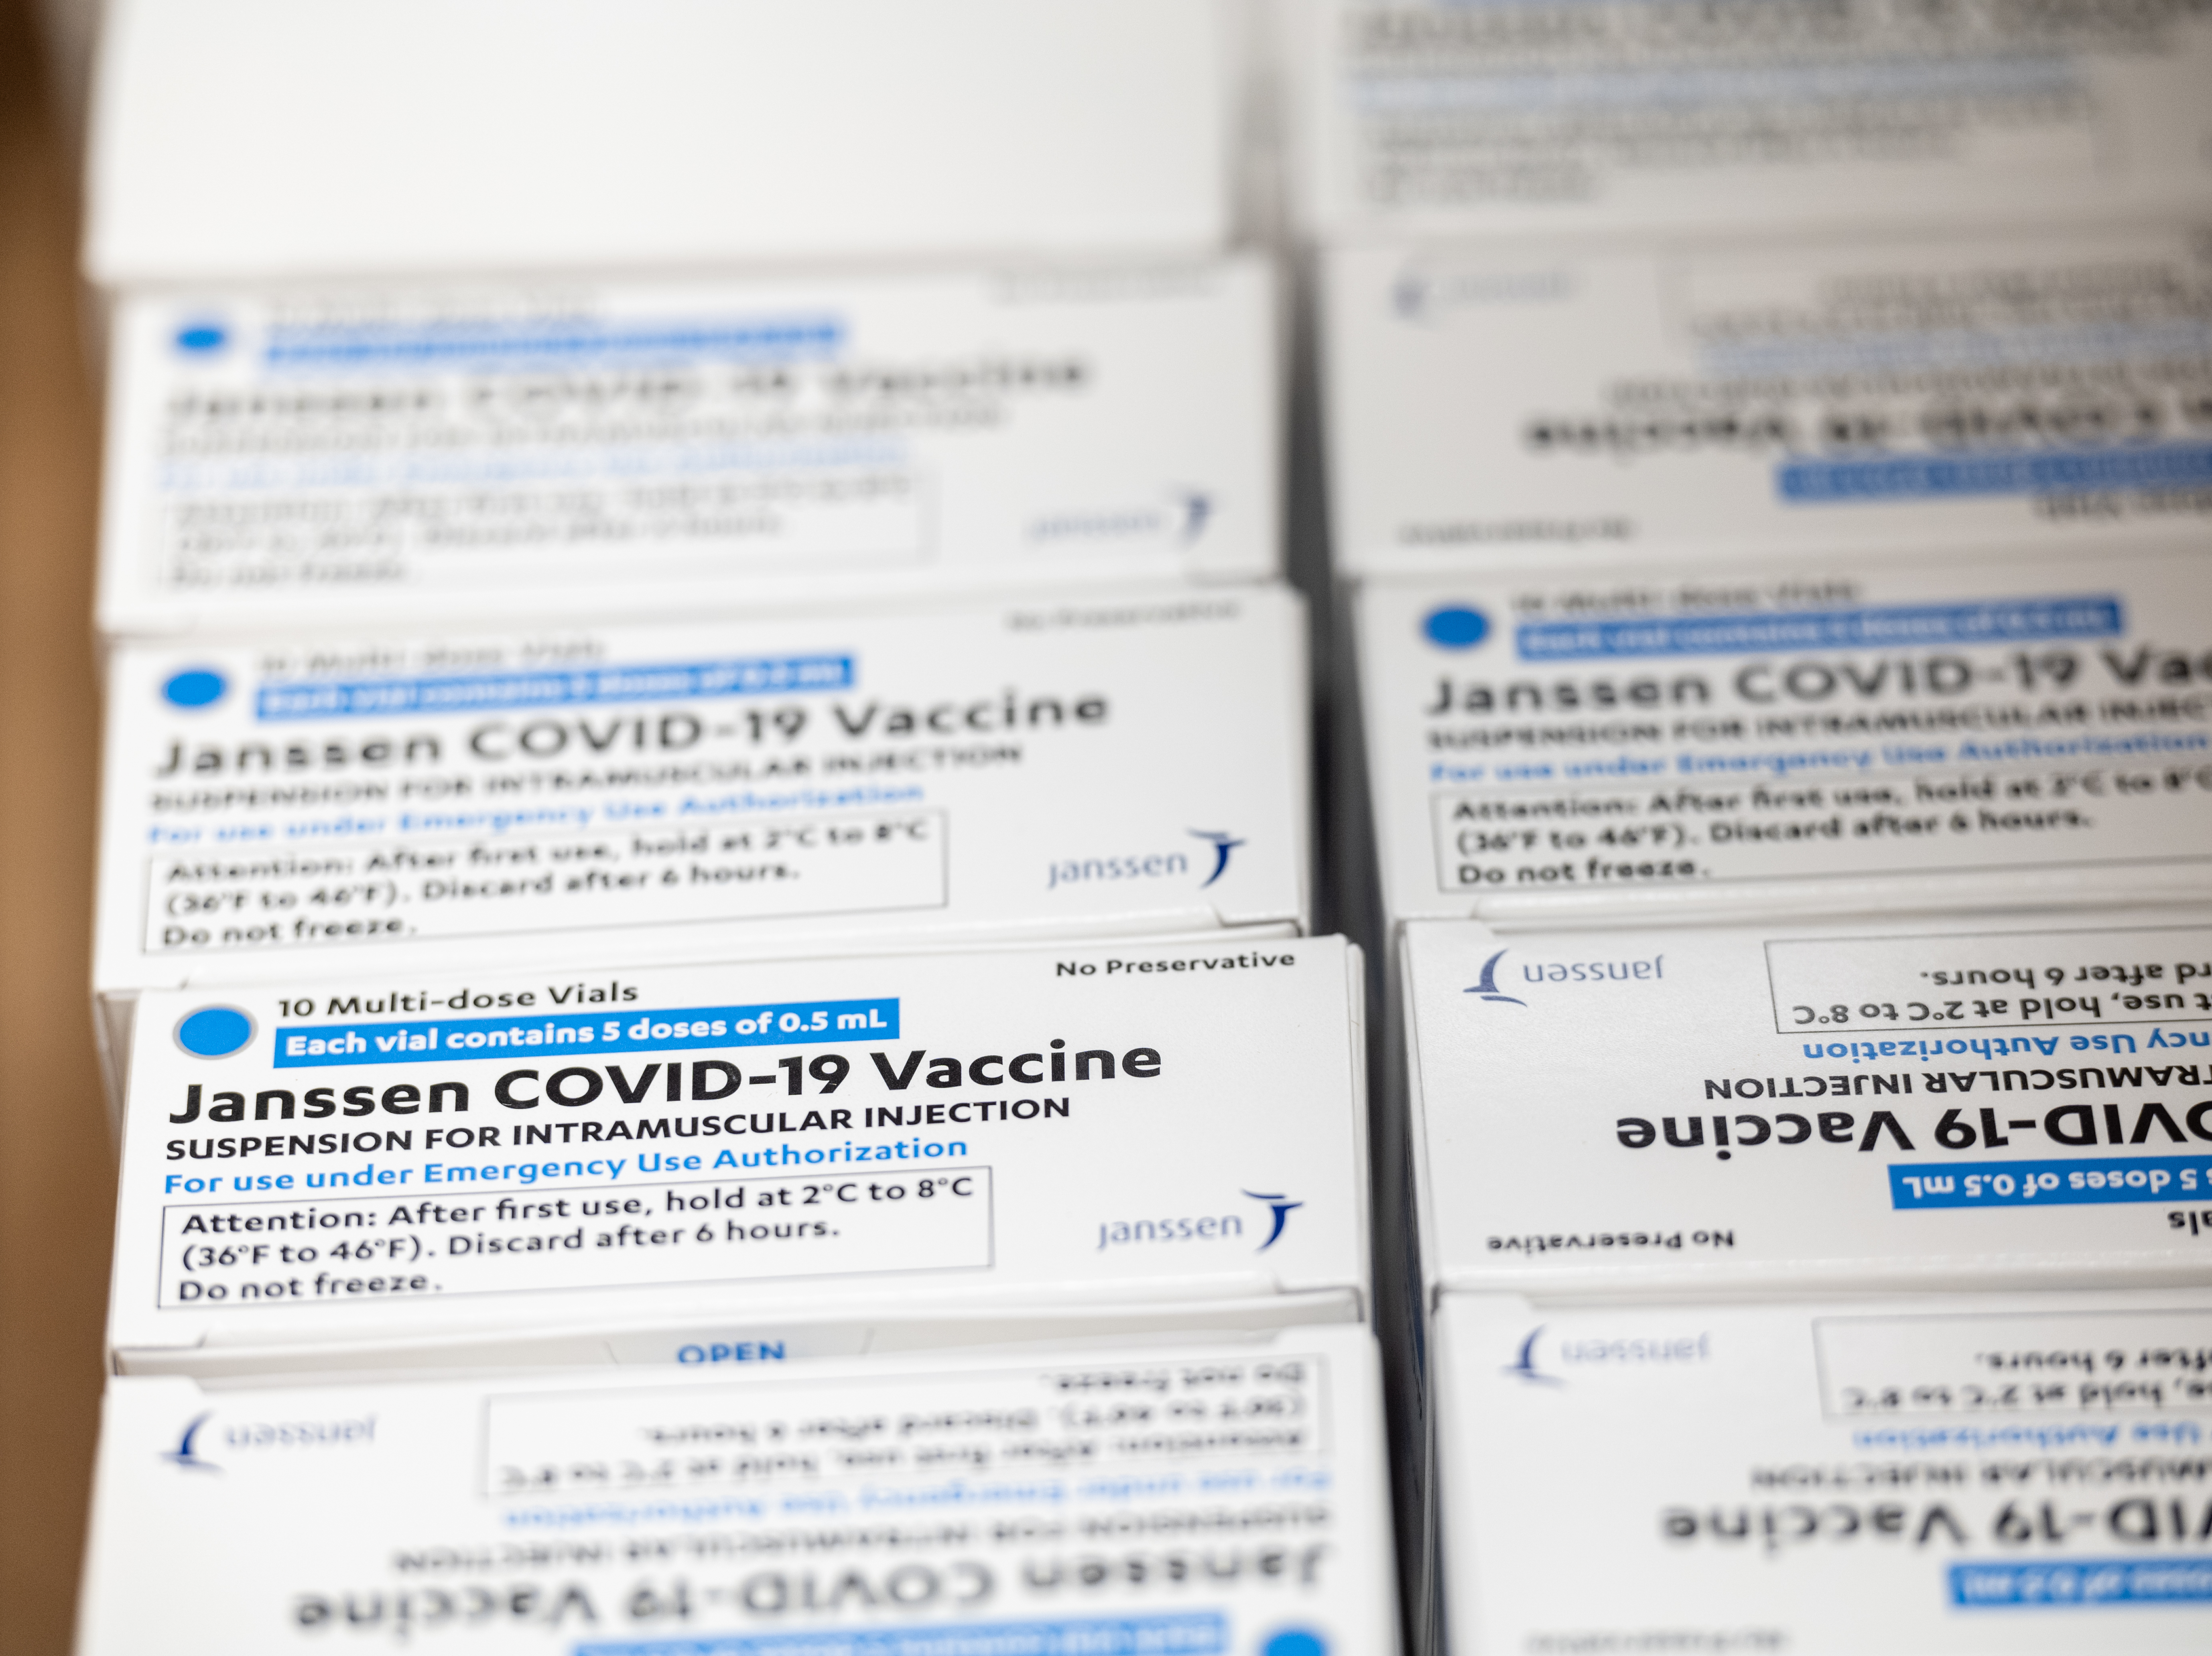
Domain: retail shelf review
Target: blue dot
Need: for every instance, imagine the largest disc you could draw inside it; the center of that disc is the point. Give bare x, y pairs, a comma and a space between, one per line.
195, 687
1295, 1641
213, 1031
203, 336
1455, 627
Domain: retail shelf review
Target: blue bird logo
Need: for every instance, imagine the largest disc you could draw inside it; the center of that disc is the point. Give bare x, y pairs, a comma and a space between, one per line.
1524, 1365
1488, 987
186, 1453
1223, 845
1197, 513
1281, 1211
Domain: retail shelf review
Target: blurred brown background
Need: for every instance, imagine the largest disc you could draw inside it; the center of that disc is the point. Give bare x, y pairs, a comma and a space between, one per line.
56, 1163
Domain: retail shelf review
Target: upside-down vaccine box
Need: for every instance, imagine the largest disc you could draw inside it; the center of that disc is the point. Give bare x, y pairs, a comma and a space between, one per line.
1936, 1101
250, 139
501, 453
1686, 740
1562, 404
1429, 117
329, 805
1937, 1473
1222, 1498
744, 1163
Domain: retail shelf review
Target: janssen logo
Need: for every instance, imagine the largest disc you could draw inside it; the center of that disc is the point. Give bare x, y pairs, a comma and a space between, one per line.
1534, 1363
198, 1442
1423, 295
1181, 519
1651, 970
1200, 1227
1154, 865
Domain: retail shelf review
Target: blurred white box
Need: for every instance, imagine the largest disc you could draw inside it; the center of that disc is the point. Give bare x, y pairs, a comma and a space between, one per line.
251, 139
1974, 1475
1685, 741
1219, 1499
1786, 399
744, 1163
2003, 1101
1438, 117
498, 453
321, 804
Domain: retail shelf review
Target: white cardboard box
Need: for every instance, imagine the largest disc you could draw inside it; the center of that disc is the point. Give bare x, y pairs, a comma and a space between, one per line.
1678, 741
743, 1163
251, 139
1428, 117
1492, 405
1225, 1499
1933, 1102
504, 451
330, 805
1953, 1475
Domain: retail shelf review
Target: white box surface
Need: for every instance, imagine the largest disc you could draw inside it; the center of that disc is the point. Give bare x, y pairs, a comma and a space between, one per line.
555, 451
743, 1162
1956, 1475
1682, 742
1428, 117
2006, 1100
327, 806
253, 138
1220, 1500
1551, 403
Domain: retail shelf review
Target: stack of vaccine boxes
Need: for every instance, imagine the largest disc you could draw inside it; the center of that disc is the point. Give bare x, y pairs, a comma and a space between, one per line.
704, 946
1770, 469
